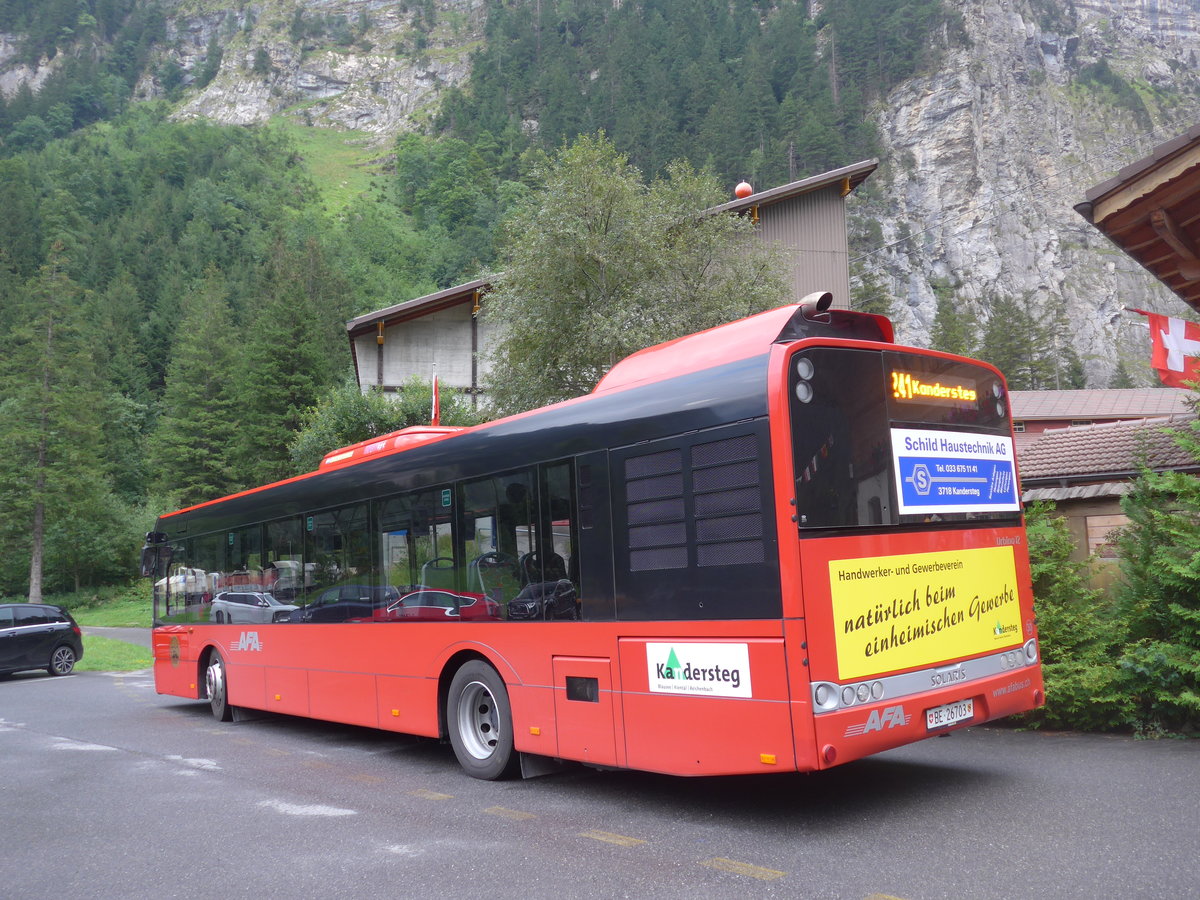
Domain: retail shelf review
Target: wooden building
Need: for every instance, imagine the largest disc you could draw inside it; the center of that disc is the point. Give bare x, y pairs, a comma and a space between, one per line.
444, 333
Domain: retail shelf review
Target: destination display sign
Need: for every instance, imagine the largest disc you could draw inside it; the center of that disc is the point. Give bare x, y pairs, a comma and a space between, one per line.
953, 472
910, 386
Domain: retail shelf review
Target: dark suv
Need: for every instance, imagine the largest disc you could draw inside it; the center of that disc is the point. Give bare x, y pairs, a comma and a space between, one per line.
38, 636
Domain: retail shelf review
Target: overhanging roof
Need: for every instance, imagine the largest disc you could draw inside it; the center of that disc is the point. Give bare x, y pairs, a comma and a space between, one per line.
412, 309
848, 177
1151, 210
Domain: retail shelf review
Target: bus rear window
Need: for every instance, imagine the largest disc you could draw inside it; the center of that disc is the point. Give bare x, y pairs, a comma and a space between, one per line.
892, 438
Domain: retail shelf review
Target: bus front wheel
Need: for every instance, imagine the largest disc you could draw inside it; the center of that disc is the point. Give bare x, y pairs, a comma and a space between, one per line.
217, 688
479, 719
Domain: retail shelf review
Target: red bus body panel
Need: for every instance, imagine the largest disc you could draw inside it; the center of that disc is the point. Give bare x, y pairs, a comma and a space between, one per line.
387, 675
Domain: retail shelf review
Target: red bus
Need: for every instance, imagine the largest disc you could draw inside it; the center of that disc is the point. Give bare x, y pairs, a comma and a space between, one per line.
777, 545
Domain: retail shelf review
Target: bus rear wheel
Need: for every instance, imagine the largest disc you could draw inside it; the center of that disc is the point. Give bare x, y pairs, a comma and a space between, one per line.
479, 719
216, 686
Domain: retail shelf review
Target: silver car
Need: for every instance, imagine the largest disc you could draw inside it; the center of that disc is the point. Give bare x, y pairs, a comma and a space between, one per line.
249, 607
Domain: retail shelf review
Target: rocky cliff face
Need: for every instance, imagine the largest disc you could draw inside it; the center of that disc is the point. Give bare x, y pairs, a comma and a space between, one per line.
984, 158
368, 65
989, 155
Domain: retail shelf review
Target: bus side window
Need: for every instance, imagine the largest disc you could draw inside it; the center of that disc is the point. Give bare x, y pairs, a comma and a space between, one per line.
559, 519
498, 532
284, 571
338, 557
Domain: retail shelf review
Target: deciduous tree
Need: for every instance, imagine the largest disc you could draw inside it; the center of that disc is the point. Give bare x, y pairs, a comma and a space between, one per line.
599, 264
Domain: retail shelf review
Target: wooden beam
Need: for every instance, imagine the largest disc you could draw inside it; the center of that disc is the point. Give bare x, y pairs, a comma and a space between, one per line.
1164, 225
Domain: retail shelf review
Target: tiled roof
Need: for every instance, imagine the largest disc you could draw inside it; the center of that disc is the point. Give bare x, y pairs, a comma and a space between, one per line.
1097, 452
1102, 490
1129, 403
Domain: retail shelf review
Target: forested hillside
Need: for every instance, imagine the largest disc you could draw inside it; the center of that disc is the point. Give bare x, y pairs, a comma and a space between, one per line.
173, 298
173, 291
173, 294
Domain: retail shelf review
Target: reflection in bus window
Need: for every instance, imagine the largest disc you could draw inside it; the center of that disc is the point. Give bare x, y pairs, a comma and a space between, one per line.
338, 573
415, 541
284, 572
499, 530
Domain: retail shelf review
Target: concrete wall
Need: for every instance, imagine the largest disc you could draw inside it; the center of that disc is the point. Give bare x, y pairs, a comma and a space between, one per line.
440, 341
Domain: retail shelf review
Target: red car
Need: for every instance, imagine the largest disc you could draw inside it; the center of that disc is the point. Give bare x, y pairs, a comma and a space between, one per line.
431, 604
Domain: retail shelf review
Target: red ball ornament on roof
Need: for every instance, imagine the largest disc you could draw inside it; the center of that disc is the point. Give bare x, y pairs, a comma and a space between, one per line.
743, 190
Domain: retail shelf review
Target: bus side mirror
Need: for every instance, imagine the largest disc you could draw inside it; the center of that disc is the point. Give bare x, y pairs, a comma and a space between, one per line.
156, 559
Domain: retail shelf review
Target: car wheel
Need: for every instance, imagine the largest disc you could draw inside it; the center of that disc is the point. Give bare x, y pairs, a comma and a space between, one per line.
220, 617
217, 688
62, 661
479, 718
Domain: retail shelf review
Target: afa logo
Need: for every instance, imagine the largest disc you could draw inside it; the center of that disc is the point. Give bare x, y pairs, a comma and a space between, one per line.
891, 717
248, 641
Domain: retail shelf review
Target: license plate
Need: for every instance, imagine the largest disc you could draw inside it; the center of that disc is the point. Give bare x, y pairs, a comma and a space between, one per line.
941, 716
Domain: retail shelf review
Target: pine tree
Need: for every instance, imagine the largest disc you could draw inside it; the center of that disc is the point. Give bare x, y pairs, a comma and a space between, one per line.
1020, 345
195, 437
1120, 379
869, 295
292, 350
49, 418
20, 225
953, 327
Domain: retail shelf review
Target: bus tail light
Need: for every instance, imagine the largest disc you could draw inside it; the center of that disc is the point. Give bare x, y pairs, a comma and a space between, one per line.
825, 695
1001, 405
1031, 651
829, 696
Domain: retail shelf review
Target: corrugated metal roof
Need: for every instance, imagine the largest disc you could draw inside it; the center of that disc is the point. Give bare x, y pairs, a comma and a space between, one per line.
1132, 403
1096, 452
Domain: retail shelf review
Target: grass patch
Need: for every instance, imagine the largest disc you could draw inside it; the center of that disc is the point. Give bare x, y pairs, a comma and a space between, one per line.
101, 654
129, 607
341, 163
112, 606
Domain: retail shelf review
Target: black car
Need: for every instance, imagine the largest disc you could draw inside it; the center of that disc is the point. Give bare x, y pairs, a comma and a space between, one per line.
545, 600
38, 636
346, 601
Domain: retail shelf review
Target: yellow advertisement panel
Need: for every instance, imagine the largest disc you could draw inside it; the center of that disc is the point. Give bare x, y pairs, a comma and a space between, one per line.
920, 609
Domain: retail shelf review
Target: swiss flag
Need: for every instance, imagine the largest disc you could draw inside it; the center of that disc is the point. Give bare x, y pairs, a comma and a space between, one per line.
435, 414
1174, 350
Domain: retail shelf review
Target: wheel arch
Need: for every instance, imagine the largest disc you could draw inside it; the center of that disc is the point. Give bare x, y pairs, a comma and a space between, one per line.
451, 665
202, 664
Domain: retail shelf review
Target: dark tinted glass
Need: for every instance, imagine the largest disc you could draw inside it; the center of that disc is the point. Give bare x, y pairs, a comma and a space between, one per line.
34, 615
844, 404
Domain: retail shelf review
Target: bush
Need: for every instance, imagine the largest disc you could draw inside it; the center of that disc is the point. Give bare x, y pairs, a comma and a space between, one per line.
1079, 632
1160, 596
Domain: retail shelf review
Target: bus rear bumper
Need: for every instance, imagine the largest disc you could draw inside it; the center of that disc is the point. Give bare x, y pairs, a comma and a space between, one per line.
848, 734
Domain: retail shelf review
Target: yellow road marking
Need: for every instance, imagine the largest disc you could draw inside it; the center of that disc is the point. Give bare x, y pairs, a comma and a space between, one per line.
609, 838
431, 795
514, 814
880, 897
741, 868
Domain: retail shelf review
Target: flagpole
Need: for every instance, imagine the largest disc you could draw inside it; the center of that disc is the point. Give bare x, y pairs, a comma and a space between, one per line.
435, 414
